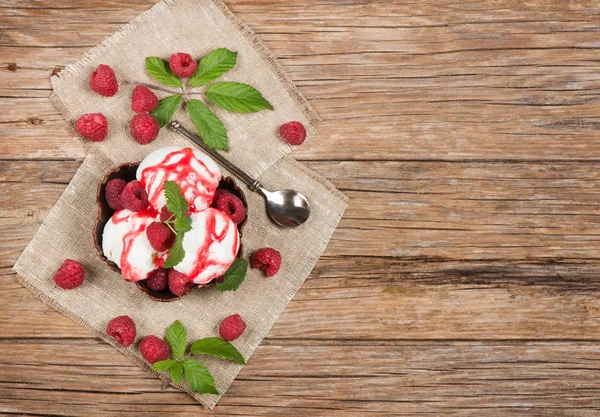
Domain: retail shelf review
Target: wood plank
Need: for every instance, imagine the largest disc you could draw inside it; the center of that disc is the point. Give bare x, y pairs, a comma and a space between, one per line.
347, 378
454, 82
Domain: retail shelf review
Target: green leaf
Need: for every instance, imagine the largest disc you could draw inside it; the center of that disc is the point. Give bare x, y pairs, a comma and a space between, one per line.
177, 339
218, 348
176, 253
212, 66
176, 202
198, 377
213, 133
164, 365
176, 372
183, 224
237, 97
159, 69
234, 276
166, 108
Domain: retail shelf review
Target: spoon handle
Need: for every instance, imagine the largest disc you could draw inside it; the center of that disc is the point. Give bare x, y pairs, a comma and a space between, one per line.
250, 182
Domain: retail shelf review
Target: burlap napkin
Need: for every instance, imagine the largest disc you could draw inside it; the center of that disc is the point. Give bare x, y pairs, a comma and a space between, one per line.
195, 27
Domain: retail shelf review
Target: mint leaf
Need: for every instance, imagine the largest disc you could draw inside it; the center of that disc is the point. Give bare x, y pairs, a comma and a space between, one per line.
177, 339
212, 66
164, 365
176, 372
198, 377
234, 276
176, 202
176, 253
160, 71
237, 97
183, 224
166, 108
218, 348
213, 133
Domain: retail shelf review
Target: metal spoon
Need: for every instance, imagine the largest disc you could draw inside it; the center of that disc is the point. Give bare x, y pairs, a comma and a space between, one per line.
287, 208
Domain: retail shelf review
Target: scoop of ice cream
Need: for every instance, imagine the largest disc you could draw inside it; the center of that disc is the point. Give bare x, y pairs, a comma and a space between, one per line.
210, 247
195, 172
125, 243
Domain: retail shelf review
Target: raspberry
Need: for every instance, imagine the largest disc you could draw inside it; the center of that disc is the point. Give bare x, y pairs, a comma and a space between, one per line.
70, 275
143, 100
103, 81
232, 206
160, 236
92, 126
144, 128
112, 193
154, 349
165, 214
134, 196
158, 280
232, 327
182, 64
179, 283
268, 260
122, 328
293, 133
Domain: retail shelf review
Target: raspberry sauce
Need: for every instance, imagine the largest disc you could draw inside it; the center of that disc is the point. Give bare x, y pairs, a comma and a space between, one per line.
196, 180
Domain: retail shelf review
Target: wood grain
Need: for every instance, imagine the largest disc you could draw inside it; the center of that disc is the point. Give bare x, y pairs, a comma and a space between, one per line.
463, 279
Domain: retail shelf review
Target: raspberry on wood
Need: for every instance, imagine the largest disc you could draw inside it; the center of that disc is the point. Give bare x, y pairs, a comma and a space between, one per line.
293, 133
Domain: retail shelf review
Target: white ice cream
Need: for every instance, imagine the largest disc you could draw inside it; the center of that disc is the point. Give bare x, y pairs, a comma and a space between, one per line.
125, 243
210, 247
195, 172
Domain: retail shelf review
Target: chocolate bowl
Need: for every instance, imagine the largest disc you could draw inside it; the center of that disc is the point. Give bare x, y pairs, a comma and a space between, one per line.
127, 172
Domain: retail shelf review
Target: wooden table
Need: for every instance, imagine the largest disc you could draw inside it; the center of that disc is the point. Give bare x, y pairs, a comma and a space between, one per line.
463, 280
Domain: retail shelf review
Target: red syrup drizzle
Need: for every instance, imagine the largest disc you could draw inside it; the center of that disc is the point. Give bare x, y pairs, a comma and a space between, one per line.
202, 261
193, 184
127, 270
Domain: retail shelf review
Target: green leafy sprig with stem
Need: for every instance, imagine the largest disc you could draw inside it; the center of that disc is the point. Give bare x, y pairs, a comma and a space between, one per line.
179, 222
231, 96
196, 374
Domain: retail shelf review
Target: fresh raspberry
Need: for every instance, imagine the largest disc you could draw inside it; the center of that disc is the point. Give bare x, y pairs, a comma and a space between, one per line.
134, 197
179, 283
158, 280
154, 349
70, 275
160, 236
143, 100
103, 81
165, 214
122, 328
268, 260
293, 133
92, 126
182, 64
144, 128
112, 193
232, 206
232, 327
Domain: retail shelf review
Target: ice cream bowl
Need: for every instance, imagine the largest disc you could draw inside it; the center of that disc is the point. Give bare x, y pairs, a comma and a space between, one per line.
127, 172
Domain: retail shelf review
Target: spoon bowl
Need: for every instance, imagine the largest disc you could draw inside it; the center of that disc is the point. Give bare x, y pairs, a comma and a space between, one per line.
287, 208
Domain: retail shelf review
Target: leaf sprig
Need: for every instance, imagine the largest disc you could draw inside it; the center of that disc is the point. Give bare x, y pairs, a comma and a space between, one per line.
197, 375
179, 222
231, 96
